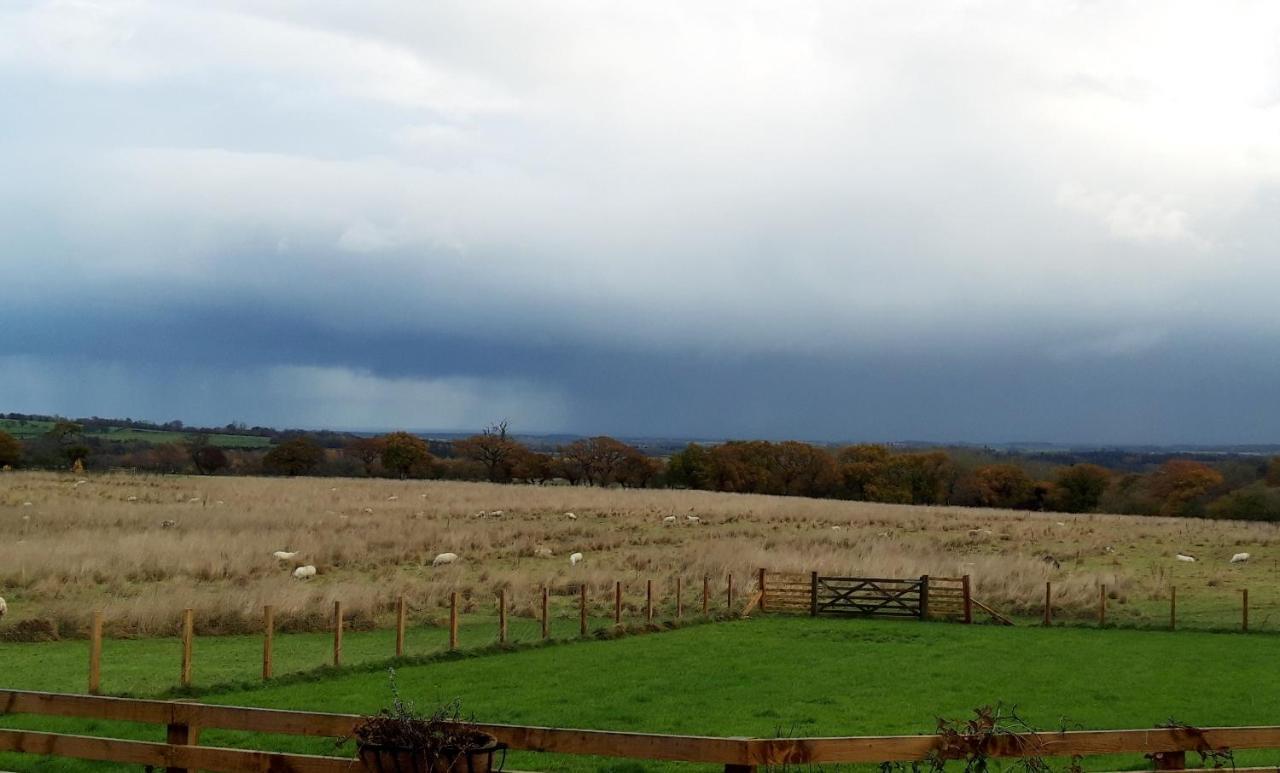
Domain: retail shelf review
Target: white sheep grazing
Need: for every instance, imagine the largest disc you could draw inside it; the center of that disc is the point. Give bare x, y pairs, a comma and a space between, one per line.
1240, 558
575, 559
669, 519
693, 519
169, 524
133, 499
304, 572
284, 555
444, 558
3, 607
1184, 557
496, 513
193, 501
571, 516
392, 498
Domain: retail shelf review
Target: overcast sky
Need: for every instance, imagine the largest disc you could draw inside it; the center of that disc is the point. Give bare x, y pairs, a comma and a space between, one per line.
979, 221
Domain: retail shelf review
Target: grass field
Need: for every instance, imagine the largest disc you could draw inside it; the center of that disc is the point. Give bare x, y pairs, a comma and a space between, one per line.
101, 543
29, 429
796, 676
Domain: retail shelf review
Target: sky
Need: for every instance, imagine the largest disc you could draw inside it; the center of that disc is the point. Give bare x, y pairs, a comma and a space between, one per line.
981, 221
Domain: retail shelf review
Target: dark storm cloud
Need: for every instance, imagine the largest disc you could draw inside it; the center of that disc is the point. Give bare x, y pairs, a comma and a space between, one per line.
820, 220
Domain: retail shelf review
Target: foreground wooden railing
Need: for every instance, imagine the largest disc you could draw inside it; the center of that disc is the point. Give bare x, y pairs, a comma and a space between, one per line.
184, 721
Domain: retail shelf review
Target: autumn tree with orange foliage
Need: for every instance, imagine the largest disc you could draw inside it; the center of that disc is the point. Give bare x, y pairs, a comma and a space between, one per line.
1179, 483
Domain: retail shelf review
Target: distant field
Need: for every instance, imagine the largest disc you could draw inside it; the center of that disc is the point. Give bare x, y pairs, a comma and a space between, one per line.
28, 429
102, 544
782, 676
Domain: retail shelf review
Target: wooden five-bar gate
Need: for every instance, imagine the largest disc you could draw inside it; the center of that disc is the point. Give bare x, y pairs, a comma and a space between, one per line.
921, 597
180, 751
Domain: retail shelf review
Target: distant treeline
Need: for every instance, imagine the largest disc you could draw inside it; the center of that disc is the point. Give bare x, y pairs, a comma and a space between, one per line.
1235, 487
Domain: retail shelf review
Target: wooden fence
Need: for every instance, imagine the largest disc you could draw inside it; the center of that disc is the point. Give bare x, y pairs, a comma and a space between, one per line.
710, 606
184, 721
923, 597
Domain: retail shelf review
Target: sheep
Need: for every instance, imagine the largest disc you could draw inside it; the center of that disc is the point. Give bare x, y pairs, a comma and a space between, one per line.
496, 513
169, 523
1240, 558
284, 555
575, 559
669, 519
368, 510
304, 572
26, 504
693, 519
3, 607
392, 498
1186, 558
444, 558
571, 516
193, 501
81, 482
132, 499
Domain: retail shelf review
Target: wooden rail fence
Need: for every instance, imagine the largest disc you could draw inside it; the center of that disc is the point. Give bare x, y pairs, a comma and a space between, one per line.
338, 623
184, 721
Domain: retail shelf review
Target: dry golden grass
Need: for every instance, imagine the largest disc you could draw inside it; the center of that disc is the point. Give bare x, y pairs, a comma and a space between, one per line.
83, 545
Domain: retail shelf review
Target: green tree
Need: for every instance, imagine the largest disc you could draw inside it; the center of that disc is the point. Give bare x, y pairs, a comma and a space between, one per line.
1079, 488
10, 450
403, 453
297, 456
688, 468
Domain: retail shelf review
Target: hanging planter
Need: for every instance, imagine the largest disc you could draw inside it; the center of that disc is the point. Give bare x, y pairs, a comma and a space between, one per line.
399, 739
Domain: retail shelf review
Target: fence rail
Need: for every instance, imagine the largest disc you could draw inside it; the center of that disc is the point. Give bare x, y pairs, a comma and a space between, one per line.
184, 721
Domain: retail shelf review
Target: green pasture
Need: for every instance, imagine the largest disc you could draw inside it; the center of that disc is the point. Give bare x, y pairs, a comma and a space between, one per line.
761, 677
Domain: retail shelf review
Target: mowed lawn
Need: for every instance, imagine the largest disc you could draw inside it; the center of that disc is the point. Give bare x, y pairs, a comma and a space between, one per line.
800, 676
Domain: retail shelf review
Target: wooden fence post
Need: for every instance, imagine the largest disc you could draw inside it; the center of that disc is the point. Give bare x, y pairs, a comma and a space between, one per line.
706, 595
617, 602
1173, 608
188, 633
1048, 603
968, 599
1244, 609
813, 594
679, 601
95, 653
648, 602
268, 640
546, 622
582, 610
1176, 760
337, 633
1102, 604
924, 597
401, 615
181, 733
502, 616
453, 620
729, 595
763, 596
